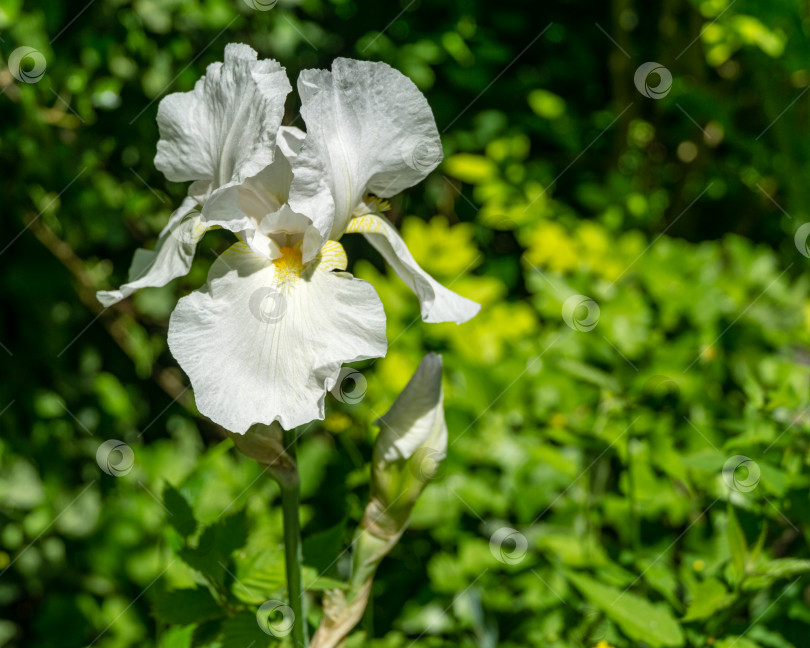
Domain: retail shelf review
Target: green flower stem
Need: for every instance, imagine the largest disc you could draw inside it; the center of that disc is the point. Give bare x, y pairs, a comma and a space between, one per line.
292, 549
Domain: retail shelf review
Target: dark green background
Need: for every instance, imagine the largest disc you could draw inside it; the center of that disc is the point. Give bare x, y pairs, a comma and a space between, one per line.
604, 448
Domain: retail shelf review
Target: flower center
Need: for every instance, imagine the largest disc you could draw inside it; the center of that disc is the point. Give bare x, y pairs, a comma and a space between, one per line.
289, 265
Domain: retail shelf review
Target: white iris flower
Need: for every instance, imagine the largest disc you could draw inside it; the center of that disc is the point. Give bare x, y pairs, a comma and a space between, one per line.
264, 340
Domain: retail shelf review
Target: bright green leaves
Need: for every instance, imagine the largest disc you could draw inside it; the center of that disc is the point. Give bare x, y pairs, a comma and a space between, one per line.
185, 606
766, 573
242, 630
321, 550
737, 544
217, 613
708, 597
215, 545
651, 623
181, 517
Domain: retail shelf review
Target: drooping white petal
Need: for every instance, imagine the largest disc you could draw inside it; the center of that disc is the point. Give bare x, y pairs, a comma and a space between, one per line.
416, 419
265, 340
438, 304
225, 129
369, 129
170, 259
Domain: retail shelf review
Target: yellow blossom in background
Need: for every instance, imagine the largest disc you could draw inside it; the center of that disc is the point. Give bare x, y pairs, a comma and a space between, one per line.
448, 251
550, 246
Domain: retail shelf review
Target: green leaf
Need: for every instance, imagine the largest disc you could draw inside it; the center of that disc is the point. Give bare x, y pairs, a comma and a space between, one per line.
736, 642
230, 534
546, 104
322, 549
773, 479
261, 578
206, 633
708, 460
181, 517
756, 550
205, 561
766, 573
217, 542
784, 567
242, 631
177, 637
589, 374
737, 543
652, 623
184, 606
707, 598
314, 582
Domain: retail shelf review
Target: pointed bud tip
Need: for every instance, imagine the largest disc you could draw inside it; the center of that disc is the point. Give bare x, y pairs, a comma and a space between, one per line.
423, 389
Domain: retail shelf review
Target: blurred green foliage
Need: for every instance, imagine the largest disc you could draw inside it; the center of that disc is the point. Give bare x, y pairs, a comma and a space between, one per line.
602, 442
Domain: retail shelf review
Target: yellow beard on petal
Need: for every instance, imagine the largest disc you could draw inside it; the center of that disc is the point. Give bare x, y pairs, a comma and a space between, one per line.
332, 256
289, 266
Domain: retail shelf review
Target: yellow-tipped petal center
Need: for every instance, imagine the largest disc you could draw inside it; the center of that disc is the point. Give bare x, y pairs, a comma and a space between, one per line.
289, 265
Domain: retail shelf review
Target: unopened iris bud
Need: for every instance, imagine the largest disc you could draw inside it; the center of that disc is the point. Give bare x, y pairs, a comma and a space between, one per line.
411, 445
412, 442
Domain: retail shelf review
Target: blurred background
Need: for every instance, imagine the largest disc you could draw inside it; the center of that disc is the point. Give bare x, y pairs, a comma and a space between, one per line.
628, 414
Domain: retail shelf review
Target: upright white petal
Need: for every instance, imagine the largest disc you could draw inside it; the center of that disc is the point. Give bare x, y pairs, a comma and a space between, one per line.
439, 304
369, 129
264, 340
416, 419
290, 140
170, 259
244, 207
225, 129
